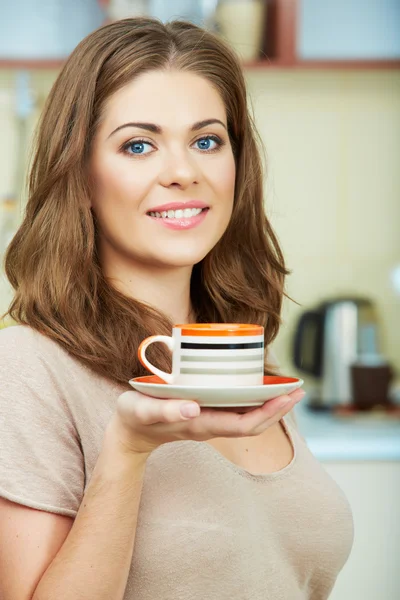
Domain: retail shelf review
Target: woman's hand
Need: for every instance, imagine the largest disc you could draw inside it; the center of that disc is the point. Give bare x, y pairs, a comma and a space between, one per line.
142, 423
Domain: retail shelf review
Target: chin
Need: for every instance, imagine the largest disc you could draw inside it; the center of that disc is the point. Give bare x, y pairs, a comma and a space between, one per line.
180, 262
179, 255
189, 259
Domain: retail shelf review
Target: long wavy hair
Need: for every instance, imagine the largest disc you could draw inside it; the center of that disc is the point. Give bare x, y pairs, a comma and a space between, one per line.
52, 261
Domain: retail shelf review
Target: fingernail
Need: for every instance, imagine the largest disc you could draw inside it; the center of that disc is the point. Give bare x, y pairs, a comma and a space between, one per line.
190, 410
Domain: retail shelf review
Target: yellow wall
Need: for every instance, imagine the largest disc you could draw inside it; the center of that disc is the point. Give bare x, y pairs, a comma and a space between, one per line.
333, 188
333, 184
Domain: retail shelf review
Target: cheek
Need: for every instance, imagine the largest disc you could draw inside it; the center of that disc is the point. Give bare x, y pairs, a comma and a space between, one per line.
117, 188
229, 171
111, 204
226, 179
113, 179
221, 176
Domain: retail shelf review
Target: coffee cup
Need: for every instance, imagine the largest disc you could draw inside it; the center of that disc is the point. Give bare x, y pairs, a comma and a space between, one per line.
211, 354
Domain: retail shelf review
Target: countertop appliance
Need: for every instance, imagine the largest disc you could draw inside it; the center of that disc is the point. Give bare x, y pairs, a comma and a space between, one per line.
329, 339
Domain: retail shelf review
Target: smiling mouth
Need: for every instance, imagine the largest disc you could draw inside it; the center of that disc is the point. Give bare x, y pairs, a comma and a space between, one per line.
186, 213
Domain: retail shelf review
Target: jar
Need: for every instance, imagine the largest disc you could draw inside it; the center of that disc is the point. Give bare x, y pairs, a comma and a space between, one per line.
242, 24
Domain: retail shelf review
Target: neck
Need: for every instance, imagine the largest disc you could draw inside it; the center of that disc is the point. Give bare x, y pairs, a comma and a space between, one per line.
167, 290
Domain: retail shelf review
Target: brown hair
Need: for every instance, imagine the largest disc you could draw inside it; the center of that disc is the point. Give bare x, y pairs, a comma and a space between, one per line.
52, 261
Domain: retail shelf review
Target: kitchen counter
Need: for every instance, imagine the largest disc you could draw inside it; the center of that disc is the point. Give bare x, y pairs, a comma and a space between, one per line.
336, 438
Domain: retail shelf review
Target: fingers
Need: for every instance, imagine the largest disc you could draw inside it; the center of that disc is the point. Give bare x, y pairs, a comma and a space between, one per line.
285, 406
207, 422
148, 410
249, 423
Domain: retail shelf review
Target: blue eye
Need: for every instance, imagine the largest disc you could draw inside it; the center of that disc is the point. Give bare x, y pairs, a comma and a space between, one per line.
136, 147
208, 143
205, 143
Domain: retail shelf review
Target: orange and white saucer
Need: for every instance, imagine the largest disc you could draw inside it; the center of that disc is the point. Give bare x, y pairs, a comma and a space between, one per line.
235, 396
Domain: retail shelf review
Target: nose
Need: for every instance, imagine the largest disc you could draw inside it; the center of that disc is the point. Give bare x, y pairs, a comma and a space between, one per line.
179, 169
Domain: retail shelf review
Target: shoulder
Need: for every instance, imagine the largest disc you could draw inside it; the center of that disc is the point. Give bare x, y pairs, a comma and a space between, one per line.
22, 347
21, 337
35, 386
42, 462
23, 363
31, 358
25, 343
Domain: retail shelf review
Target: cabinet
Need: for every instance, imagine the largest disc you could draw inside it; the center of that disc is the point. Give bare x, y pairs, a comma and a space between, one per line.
307, 34
343, 30
373, 490
321, 34
41, 34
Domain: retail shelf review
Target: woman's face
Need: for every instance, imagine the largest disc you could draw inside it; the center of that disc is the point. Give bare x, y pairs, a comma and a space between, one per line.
162, 146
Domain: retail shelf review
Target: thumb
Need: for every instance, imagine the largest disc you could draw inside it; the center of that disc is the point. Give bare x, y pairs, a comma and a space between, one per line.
148, 410
168, 411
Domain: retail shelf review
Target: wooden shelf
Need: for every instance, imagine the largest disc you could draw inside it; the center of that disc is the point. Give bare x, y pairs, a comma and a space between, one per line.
349, 64
279, 45
31, 64
322, 64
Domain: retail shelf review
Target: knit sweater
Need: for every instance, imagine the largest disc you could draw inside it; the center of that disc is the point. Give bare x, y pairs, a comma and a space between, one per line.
207, 528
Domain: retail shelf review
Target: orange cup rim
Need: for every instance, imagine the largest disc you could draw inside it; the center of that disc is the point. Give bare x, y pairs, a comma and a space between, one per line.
219, 329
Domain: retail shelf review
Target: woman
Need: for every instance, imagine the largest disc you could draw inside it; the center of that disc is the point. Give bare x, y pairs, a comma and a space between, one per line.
106, 493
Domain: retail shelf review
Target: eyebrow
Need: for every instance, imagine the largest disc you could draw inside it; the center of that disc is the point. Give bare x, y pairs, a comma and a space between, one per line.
153, 128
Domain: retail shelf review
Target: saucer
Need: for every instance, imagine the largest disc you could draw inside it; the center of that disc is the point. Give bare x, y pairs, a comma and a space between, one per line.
235, 396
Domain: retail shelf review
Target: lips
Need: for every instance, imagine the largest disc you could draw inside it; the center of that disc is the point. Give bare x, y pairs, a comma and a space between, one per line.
179, 223
178, 206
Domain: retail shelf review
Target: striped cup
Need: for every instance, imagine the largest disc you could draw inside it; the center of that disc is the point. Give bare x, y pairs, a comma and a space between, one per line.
211, 354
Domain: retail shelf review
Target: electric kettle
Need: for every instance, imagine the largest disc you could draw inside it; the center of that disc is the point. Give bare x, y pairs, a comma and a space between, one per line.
329, 340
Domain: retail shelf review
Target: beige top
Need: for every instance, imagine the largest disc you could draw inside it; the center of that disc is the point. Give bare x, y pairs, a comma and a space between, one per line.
206, 528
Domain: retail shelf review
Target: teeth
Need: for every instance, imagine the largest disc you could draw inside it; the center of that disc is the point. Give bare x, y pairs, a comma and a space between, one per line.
176, 214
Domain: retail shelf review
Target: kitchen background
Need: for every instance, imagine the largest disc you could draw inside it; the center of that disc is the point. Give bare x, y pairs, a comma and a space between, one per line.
324, 83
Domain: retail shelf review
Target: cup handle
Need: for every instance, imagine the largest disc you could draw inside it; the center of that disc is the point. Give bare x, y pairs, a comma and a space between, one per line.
165, 339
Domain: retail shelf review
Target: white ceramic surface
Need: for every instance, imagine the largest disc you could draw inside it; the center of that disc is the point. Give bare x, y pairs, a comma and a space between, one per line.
211, 355
234, 396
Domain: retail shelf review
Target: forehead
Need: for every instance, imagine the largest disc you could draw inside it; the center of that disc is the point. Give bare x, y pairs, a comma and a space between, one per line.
168, 98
